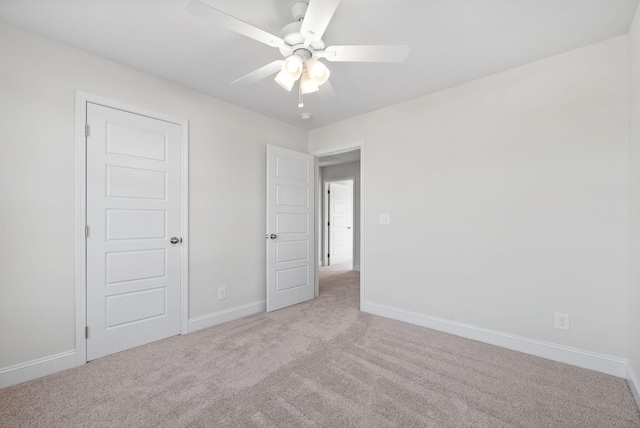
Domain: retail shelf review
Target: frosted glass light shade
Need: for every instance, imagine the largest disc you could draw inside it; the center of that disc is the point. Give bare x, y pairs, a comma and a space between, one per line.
285, 80
293, 65
318, 72
307, 85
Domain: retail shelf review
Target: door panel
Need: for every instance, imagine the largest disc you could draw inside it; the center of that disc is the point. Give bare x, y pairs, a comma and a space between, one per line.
136, 183
340, 220
126, 266
291, 251
137, 143
135, 306
133, 208
292, 196
292, 223
286, 279
290, 205
136, 224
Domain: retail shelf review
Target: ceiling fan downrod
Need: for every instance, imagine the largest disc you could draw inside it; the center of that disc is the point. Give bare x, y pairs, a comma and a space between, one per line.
299, 9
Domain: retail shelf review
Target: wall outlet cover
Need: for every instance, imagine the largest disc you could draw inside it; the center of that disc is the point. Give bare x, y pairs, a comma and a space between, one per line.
562, 321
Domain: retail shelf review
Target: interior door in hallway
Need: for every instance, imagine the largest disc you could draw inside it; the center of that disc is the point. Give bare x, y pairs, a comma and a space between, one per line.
340, 222
290, 228
134, 222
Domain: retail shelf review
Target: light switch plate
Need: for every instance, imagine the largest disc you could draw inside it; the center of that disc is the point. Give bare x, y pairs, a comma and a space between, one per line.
385, 218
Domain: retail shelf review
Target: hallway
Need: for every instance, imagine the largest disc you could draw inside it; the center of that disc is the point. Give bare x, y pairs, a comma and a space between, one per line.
340, 280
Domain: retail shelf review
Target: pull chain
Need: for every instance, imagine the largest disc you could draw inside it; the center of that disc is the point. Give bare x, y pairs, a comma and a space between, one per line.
300, 100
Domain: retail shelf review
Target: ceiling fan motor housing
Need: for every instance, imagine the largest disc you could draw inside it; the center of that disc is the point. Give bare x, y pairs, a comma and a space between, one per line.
294, 40
303, 53
291, 35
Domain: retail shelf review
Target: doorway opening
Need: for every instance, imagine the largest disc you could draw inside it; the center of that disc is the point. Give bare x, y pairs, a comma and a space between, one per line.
339, 184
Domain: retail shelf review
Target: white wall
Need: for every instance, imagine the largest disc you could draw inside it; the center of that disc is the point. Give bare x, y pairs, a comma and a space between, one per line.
345, 170
38, 80
508, 199
634, 198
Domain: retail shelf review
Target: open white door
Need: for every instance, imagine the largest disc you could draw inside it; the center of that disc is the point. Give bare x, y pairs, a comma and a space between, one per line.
340, 221
290, 227
133, 230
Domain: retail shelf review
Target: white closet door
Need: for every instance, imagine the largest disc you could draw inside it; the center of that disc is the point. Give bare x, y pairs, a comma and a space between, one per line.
133, 212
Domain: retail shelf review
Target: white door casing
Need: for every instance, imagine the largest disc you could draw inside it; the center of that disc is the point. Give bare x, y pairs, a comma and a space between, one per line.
340, 222
133, 209
290, 227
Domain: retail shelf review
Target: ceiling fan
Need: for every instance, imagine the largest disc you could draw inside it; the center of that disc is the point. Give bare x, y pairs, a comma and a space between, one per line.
301, 45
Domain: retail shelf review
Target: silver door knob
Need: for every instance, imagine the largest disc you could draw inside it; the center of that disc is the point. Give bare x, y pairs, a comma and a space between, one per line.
273, 236
175, 240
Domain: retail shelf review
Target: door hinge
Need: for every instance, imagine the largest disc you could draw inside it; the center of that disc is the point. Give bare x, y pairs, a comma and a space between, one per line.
328, 255
86, 231
328, 223
86, 332
86, 129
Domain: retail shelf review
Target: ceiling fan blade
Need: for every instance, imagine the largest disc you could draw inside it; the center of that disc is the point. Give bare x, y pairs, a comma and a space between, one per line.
366, 53
316, 19
326, 92
259, 74
204, 11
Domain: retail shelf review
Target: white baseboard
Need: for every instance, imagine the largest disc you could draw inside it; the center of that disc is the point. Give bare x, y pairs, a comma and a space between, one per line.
210, 320
356, 267
634, 384
577, 357
37, 368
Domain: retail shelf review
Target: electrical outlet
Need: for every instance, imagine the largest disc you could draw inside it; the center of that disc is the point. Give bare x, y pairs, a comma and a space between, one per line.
385, 219
562, 321
222, 293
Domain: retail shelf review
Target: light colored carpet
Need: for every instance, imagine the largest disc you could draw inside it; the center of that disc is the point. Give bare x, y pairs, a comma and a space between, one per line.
321, 363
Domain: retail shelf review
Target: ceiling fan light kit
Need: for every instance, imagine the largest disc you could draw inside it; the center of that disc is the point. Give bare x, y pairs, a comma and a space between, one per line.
301, 44
311, 73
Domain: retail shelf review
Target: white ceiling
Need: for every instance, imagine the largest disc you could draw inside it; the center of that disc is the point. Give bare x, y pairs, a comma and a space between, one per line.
452, 42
